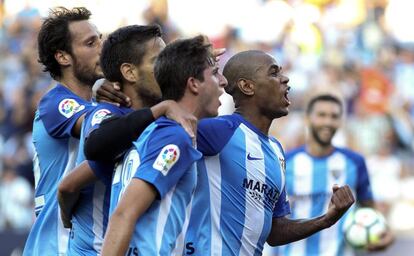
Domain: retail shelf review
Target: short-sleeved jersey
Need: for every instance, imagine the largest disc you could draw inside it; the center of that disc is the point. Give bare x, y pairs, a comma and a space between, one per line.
164, 157
90, 218
309, 182
55, 155
240, 189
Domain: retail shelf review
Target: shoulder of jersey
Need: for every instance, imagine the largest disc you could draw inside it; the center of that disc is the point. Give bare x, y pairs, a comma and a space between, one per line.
100, 115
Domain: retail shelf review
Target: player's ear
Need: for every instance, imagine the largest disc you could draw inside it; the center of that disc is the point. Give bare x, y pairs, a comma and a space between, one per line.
193, 85
129, 72
63, 58
246, 86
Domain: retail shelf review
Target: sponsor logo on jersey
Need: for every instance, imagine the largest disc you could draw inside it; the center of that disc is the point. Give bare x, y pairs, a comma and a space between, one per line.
168, 156
69, 107
261, 192
99, 116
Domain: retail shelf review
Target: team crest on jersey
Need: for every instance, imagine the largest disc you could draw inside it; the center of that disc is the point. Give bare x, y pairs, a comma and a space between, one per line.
99, 116
282, 164
69, 107
336, 173
168, 156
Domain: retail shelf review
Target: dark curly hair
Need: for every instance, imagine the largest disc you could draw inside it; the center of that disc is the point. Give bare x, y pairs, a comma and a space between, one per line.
125, 45
54, 35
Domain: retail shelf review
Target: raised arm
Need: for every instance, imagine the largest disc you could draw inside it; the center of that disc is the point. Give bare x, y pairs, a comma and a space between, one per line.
286, 230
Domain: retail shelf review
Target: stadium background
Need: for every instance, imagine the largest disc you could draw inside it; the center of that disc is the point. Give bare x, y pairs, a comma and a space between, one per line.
362, 50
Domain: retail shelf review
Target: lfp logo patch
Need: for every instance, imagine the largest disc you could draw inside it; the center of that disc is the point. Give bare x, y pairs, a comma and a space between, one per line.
68, 107
168, 156
99, 116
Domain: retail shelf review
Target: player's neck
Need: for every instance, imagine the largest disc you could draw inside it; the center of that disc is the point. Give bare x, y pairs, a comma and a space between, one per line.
191, 106
82, 90
259, 120
313, 148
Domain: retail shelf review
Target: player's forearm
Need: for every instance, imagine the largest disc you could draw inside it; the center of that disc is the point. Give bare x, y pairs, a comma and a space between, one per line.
286, 230
118, 235
67, 202
115, 135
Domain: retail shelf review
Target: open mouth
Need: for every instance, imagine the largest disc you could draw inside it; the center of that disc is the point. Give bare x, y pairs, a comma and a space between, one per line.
286, 95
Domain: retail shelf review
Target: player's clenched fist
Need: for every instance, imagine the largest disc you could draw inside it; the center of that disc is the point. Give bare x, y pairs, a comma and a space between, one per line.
341, 200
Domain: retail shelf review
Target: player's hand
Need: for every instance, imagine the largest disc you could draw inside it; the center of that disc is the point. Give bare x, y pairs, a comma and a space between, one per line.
66, 220
218, 52
111, 93
386, 240
181, 116
341, 200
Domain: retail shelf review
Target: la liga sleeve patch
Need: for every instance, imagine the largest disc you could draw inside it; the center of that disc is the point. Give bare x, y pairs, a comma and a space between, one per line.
166, 159
69, 107
99, 116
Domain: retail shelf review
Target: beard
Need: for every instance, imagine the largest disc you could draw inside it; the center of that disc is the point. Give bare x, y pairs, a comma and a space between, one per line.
85, 74
148, 89
318, 139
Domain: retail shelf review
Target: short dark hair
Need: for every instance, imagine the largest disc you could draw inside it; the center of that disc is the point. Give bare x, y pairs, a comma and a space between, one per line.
54, 35
125, 45
179, 61
323, 97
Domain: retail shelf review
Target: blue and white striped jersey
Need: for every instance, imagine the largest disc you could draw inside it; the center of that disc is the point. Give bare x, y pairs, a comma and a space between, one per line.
56, 151
309, 182
90, 218
164, 157
241, 188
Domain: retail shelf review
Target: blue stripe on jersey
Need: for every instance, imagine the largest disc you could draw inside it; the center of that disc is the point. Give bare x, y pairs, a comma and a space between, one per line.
319, 185
231, 245
200, 216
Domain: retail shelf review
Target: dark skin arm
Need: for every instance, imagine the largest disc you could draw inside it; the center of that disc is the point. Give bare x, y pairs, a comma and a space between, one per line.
69, 190
111, 93
285, 230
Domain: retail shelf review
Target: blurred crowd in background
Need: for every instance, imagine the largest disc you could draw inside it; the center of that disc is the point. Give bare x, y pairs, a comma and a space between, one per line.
362, 50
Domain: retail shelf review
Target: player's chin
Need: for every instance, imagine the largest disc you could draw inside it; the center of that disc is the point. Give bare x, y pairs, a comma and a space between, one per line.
212, 112
284, 111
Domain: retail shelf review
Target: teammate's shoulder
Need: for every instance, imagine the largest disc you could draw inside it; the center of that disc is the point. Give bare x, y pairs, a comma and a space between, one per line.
218, 123
104, 109
168, 126
61, 100
292, 152
350, 153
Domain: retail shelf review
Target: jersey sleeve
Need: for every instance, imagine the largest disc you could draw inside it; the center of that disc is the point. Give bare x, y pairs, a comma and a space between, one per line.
102, 171
59, 113
364, 191
168, 154
282, 207
95, 116
213, 134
